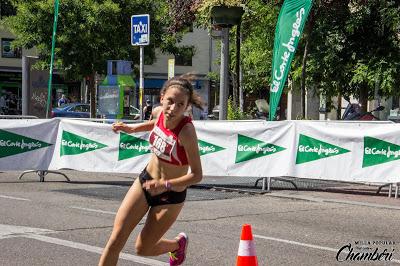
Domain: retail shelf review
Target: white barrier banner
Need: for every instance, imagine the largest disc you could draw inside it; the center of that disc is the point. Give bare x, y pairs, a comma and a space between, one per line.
27, 144
359, 152
90, 146
245, 148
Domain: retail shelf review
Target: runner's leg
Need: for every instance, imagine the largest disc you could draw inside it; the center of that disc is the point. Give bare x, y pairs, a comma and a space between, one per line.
159, 220
132, 209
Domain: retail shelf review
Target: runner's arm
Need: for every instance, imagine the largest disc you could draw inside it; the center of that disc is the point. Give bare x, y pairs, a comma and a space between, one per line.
145, 126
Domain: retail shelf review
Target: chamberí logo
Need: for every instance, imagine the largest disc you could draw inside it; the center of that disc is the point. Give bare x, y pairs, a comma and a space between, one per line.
207, 148
72, 144
249, 148
11, 144
377, 151
130, 146
367, 251
311, 149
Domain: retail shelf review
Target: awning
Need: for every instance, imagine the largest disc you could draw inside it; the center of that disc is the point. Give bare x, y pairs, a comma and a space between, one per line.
120, 80
158, 83
154, 83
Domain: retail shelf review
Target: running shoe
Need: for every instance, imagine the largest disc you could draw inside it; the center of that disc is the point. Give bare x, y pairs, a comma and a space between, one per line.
178, 256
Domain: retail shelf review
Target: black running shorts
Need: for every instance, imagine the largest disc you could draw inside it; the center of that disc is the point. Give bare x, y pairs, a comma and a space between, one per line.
168, 197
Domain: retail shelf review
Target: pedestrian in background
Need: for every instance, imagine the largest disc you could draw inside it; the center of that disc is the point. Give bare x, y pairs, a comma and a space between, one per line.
160, 190
147, 110
157, 108
63, 100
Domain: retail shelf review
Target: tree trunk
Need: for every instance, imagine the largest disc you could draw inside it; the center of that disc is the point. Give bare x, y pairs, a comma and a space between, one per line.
307, 34
339, 107
92, 89
236, 83
363, 99
303, 81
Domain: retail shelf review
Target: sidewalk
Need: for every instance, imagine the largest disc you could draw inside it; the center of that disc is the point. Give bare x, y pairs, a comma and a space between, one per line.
307, 189
311, 190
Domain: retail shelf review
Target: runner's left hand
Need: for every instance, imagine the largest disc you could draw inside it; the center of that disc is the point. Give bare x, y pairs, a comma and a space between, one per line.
154, 187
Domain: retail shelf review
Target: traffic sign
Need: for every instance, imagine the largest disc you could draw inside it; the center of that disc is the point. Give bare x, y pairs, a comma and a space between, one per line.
140, 29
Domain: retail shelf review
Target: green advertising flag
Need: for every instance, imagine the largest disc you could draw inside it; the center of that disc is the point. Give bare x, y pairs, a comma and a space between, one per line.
288, 30
377, 151
12, 144
72, 144
207, 148
130, 146
249, 148
311, 149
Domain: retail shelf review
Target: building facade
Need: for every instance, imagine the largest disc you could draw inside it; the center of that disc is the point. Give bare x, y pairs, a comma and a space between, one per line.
200, 59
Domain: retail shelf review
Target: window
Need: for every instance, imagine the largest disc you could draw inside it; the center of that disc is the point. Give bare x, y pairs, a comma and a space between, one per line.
114, 70
183, 57
81, 108
7, 51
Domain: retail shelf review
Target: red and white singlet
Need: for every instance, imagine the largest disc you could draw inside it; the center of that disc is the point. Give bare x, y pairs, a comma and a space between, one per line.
164, 142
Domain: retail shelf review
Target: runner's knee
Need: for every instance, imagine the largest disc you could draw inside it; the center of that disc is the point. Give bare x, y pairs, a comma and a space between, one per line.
143, 250
116, 244
117, 240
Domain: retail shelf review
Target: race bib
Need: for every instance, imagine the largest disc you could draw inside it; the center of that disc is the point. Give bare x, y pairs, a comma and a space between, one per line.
161, 144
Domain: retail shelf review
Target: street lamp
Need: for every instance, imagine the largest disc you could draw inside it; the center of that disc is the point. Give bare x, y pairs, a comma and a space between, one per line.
225, 17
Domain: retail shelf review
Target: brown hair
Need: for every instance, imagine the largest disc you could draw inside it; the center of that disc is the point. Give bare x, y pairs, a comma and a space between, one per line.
185, 82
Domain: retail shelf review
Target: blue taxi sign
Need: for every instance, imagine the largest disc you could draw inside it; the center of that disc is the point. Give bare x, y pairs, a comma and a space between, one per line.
140, 29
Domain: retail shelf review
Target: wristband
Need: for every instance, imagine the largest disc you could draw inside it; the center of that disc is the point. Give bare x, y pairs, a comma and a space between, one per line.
167, 185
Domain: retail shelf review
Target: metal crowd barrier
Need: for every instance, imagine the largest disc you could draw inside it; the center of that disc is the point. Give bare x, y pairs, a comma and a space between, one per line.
18, 117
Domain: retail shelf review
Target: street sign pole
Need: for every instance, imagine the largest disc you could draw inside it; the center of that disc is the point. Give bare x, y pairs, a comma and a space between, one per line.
140, 36
141, 82
224, 81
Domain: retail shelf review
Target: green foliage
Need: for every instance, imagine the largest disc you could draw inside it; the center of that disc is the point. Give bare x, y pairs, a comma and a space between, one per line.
258, 27
203, 9
89, 32
235, 113
355, 47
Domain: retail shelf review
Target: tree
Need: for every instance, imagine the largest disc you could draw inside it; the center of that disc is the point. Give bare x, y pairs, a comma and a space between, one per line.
349, 47
355, 48
89, 32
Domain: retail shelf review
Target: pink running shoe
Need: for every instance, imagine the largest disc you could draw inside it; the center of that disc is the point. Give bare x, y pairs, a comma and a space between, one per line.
178, 256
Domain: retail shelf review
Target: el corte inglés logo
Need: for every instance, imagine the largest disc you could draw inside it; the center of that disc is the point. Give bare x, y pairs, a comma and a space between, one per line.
378, 151
130, 146
249, 148
207, 148
72, 144
310, 149
11, 144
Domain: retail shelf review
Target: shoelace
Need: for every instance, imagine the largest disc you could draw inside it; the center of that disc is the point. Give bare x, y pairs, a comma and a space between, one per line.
173, 255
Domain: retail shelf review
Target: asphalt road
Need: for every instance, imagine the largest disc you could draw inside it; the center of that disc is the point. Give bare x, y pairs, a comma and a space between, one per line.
60, 223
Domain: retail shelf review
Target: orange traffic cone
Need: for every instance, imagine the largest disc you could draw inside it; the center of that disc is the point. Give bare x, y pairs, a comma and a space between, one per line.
247, 251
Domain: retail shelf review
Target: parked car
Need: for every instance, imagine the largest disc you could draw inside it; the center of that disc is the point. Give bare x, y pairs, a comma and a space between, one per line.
81, 110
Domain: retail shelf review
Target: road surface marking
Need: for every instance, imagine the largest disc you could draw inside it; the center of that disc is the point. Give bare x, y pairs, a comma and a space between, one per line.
14, 198
94, 249
11, 231
305, 245
92, 210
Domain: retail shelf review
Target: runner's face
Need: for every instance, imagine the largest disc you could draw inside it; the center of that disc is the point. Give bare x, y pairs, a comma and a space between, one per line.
174, 103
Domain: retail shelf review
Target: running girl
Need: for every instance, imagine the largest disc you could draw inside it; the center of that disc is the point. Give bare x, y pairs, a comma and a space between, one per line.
160, 189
